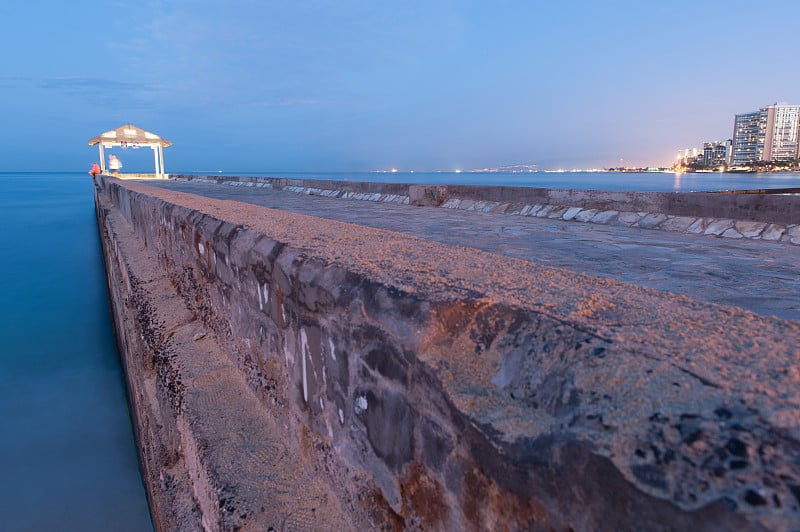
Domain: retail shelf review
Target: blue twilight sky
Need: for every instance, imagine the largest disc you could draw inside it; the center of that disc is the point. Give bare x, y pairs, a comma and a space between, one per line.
347, 85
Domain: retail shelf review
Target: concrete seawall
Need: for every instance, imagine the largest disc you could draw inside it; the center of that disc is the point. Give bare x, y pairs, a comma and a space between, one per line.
297, 373
757, 216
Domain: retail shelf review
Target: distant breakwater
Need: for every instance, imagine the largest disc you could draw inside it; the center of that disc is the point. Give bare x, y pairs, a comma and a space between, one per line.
758, 216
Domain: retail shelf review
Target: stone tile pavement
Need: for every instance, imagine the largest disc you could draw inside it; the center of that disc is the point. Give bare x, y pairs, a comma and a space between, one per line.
760, 276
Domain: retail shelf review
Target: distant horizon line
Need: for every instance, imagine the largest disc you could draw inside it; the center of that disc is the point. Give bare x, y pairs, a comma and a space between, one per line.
426, 171
277, 172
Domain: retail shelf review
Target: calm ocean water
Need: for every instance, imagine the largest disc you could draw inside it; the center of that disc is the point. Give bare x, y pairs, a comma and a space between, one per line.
645, 182
67, 454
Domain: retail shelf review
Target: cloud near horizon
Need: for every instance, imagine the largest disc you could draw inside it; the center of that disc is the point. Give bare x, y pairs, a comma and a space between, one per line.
93, 90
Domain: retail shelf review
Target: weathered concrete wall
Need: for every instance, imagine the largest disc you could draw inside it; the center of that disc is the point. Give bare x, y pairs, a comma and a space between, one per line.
438, 388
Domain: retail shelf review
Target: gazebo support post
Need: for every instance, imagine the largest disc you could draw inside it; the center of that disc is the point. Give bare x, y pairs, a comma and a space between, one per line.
161, 156
155, 158
102, 159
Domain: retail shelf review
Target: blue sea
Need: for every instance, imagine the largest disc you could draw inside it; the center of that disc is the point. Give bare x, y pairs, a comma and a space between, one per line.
643, 182
67, 454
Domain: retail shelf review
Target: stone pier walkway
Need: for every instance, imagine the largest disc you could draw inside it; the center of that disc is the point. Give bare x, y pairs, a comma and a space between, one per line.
760, 276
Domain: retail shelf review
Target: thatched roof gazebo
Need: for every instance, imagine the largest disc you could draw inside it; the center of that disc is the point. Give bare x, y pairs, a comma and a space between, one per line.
133, 137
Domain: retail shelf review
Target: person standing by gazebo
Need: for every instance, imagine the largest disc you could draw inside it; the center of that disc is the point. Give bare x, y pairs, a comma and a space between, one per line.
114, 164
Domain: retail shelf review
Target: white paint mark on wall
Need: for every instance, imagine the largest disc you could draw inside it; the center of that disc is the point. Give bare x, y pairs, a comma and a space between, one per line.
361, 404
303, 349
333, 348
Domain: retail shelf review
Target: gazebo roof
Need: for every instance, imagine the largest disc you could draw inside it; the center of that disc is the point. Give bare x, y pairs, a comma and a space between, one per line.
129, 134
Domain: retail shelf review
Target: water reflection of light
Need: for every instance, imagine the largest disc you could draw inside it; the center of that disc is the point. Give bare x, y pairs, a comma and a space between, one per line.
677, 183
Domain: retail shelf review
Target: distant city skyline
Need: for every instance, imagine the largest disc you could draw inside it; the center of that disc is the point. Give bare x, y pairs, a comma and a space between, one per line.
358, 86
769, 135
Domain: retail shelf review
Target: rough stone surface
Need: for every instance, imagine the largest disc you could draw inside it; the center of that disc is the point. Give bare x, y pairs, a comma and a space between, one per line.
652, 220
678, 223
437, 387
585, 215
731, 233
534, 210
793, 234
629, 218
555, 212
452, 203
773, 232
571, 212
717, 227
427, 195
545, 211
750, 229
604, 217
698, 227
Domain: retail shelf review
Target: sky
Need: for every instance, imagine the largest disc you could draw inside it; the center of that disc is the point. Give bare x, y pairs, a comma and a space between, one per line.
357, 85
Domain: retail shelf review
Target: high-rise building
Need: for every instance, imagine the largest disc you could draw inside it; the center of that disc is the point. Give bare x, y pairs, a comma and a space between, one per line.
781, 136
716, 154
689, 156
748, 138
770, 134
